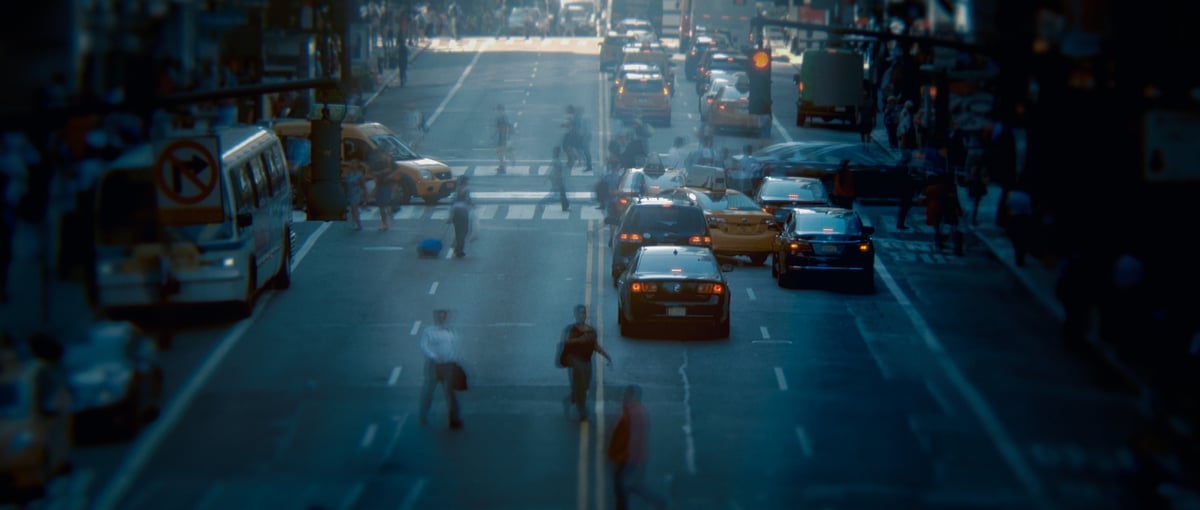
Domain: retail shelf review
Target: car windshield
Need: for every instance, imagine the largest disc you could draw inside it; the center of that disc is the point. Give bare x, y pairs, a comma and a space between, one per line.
731, 94
726, 202
395, 147
667, 218
827, 223
643, 86
794, 191
13, 400
673, 261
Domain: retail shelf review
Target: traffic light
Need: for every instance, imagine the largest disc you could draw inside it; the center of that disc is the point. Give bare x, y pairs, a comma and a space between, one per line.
760, 81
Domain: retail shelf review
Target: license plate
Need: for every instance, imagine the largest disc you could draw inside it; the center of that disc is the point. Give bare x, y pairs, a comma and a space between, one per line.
829, 248
676, 311
744, 230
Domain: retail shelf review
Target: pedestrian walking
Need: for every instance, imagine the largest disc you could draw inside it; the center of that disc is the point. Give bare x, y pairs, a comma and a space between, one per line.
1021, 224
677, 154
402, 61
843, 186
628, 450
439, 345
977, 187
942, 207
460, 215
891, 120
354, 182
906, 131
576, 139
575, 351
557, 178
616, 151
383, 169
413, 127
503, 133
866, 117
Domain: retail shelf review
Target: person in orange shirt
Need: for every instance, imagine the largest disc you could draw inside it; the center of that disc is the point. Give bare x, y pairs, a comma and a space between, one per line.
628, 450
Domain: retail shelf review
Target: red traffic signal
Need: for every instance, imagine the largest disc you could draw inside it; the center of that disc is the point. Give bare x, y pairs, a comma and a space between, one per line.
760, 59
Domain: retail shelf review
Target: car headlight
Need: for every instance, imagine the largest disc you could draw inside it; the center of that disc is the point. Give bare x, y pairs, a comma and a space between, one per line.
426, 174
101, 384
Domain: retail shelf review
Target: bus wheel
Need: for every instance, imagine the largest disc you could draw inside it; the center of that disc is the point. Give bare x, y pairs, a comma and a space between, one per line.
283, 278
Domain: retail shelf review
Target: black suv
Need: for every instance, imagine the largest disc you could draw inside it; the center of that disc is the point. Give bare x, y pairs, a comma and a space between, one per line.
657, 221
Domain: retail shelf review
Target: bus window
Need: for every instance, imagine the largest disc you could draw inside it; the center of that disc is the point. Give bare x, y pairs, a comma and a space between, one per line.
262, 188
276, 169
244, 194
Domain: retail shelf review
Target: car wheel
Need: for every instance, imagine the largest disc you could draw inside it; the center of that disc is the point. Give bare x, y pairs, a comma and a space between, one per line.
783, 279
404, 192
774, 266
758, 258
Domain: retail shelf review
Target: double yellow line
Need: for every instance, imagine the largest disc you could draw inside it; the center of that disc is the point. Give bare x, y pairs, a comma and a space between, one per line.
596, 277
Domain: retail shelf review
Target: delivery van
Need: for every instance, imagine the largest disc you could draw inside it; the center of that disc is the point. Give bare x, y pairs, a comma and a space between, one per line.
830, 85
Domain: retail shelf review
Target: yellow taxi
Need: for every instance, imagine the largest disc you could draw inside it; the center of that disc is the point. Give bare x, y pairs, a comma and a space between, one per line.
35, 425
652, 54
415, 175
738, 225
644, 95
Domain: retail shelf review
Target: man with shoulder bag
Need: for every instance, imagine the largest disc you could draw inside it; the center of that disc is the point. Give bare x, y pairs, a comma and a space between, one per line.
439, 344
575, 354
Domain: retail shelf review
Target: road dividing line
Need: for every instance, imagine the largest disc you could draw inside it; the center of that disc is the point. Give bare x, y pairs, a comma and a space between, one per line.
751, 295
581, 471
395, 375
351, 497
368, 436
308, 244
975, 401
591, 286
779, 378
415, 329
414, 494
689, 442
805, 445
395, 439
766, 335
433, 288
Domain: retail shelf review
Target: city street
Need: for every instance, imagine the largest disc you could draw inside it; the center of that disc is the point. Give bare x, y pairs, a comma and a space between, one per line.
945, 388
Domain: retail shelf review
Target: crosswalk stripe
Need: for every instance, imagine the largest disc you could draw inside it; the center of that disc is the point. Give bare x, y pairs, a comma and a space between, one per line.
486, 212
591, 213
409, 213
551, 212
521, 212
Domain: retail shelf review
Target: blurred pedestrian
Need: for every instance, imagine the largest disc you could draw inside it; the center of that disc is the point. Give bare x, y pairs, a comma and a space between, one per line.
503, 133
942, 207
413, 127
677, 154
354, 182
557, 178
1021, 224
439, 345
578, 344
460, 215
977, 187
576, 141
383, 169
866, 117
891, 120
616, 150
843, 186
629, 449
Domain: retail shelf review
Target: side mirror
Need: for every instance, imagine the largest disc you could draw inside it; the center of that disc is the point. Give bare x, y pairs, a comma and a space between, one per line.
244, 220
868, 229
726, 267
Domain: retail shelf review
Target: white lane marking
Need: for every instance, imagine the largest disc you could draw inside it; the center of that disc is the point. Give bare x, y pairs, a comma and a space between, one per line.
413, 495
352, 496
689, 453
139, 454
457, 85
750, 293
395, 375
433, 288
766, 335
770, 341
939, 397
779, 378
309, 243
395, 439
368, 436
415, 329
383, 248
210, 497
805, 445
979, 406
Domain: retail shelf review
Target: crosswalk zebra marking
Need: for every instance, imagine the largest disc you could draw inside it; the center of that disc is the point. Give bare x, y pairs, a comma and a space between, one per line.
552, 212
521, 212
486, 212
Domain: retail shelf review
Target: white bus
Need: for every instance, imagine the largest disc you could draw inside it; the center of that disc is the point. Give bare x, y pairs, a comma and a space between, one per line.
148, 255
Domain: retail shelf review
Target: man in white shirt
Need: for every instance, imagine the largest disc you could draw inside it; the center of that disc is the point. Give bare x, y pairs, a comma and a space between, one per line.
439, 345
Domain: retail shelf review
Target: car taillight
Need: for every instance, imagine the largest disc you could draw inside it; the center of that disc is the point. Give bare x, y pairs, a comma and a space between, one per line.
721, 106
710, 288
799, 247
643, 287
666, 91
700, 240
620, 90
630, 237
864, 247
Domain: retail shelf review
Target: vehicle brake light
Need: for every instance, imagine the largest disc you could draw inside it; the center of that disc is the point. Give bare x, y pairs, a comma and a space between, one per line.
631, 237
666, 91
721, 107
620, 90
800, 87
642, 287
864, 247
710, 288
799, 247
700, 240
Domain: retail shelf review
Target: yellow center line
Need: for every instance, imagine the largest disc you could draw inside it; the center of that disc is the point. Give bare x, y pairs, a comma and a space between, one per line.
599, 414
581, 478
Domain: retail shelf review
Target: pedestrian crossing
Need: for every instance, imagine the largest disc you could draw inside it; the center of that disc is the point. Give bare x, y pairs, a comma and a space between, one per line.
536, 169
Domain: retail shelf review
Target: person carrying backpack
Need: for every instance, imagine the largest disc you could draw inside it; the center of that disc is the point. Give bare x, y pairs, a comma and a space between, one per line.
575, 354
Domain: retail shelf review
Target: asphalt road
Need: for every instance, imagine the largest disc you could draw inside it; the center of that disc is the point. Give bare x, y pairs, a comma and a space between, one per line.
945, 388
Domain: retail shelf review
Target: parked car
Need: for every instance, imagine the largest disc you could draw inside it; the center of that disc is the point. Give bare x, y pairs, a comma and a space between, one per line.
116, 377
877, 173
674, 285
653, 221
738, 225
824, 241
415, 175
35, 427
776, 194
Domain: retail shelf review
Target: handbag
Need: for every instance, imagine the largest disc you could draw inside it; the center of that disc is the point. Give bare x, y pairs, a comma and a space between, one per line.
562, 354
458, 377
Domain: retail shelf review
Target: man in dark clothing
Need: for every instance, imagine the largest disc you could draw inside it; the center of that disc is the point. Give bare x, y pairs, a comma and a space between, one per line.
634, 154
578, 344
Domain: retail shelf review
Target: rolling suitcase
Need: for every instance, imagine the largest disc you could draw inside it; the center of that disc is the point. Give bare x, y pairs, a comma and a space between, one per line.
431, 246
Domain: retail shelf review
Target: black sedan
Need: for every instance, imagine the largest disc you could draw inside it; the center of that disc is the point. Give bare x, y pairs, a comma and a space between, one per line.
116, 380
674, 285
877, 173
824, 240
